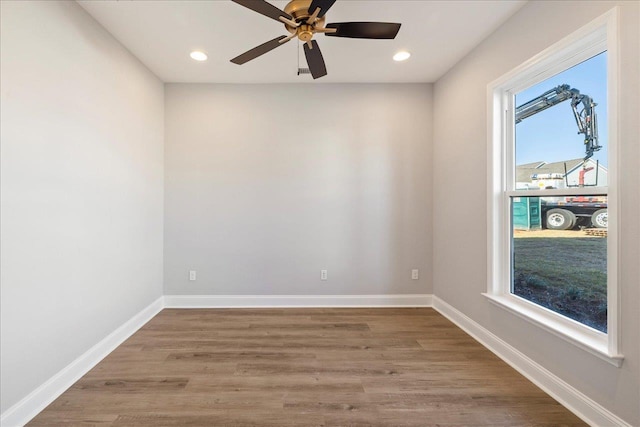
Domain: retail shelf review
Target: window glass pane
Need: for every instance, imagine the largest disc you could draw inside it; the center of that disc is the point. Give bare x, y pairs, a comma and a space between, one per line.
560, 122
559, 255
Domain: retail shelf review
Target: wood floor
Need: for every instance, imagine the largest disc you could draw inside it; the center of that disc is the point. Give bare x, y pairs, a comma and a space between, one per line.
303, 367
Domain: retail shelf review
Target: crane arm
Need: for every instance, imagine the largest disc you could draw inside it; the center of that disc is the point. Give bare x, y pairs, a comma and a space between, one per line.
585, 116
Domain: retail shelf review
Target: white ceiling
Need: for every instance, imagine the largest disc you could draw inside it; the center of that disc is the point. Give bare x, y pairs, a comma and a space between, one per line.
162, 33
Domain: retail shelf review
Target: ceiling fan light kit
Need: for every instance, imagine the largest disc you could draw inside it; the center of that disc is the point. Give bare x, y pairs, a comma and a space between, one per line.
305, 18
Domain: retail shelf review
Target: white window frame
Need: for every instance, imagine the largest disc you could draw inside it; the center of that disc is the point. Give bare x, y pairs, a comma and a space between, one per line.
592, 39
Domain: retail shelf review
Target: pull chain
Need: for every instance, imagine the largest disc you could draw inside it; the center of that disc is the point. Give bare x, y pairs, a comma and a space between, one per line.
298, 49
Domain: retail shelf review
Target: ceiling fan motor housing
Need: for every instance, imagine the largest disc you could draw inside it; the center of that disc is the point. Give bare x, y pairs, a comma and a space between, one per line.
299, 10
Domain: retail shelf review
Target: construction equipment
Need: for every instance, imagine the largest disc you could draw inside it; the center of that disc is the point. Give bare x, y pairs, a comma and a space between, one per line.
586, 118
563, 213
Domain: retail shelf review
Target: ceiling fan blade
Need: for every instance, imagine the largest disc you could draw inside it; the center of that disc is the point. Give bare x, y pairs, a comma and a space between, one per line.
324, 6
264, 8
259, 50
315, 61
365, 30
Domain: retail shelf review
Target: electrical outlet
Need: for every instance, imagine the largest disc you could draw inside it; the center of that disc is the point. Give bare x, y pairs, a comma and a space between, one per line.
415, 274
192, 275
323, 274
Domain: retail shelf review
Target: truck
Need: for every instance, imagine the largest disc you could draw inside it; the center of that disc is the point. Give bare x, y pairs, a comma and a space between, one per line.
564, 213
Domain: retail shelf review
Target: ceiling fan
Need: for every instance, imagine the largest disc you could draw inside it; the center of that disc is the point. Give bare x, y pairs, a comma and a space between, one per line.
303, 19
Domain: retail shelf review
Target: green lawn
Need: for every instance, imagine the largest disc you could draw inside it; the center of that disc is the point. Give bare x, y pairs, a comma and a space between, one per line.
566, 275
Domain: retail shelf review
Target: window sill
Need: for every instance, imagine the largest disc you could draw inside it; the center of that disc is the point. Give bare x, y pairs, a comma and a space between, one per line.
590, 340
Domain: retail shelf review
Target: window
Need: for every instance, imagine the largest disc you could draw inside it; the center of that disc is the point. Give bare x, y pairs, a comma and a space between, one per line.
552, 208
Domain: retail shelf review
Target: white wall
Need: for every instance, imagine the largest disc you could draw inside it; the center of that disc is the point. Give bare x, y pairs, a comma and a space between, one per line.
82, 189
460, 118
265, 185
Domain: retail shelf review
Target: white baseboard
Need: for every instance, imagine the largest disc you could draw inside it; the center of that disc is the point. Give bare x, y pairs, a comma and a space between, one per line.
26, 409
584, 407
276, 301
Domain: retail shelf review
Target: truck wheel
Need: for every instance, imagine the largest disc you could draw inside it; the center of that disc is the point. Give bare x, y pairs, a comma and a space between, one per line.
560, 219
600, 218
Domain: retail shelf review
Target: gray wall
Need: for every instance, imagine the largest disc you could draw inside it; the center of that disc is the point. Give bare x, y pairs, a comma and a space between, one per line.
460, 121
265, 185
81, 183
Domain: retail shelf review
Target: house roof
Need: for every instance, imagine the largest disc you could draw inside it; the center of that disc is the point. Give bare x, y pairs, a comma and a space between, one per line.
524, 171
531, 165
559, 167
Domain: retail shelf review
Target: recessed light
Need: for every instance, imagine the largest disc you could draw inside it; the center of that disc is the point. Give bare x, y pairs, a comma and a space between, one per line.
198, 55
401, 56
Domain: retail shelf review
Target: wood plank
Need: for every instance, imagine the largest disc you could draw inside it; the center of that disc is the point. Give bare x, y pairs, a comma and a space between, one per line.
303, 367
